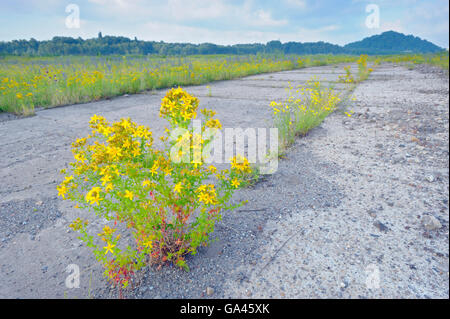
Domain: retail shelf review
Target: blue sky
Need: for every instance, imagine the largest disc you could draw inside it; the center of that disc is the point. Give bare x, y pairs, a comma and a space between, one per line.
225, 21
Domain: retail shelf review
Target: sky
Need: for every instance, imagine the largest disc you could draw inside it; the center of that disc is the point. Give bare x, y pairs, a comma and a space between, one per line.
225, 21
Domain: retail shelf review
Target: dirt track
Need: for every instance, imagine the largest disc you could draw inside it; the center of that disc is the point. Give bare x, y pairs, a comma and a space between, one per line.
346, 203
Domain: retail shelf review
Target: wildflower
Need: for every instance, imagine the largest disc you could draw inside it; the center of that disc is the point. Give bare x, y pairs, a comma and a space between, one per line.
107, 231
109, 248
146, 183
109, 187
93, 196
128, 195
235, 183
178, 187
212, 169
212, 123
154, 169
105, 179
148, 243
62, 190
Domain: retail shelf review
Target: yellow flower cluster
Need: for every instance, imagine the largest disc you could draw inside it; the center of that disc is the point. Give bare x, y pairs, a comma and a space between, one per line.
93, 196
241, 164
305, 108
348, 77
362, 61
214, 123
168, 205
178, 106
207, 194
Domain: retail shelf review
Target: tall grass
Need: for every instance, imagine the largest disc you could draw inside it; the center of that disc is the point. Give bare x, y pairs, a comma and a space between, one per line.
305, 108
26, 83
438, 59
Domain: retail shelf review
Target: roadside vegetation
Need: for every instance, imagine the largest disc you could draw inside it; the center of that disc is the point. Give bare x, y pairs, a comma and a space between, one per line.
26, 83
305, 108
29, 82
308, 105
438, 59
169, 201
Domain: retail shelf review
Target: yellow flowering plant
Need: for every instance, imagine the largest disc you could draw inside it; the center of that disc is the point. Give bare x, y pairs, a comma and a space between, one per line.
169, 199
348, 77
305, 107
363, 71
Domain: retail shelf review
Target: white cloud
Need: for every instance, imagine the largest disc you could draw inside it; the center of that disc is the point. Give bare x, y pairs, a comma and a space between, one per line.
178, 33
243, 14
197, 9
297, 3
264, 19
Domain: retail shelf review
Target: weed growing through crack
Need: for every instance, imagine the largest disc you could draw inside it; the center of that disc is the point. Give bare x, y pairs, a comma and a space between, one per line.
169, 199
363, 71
305, 108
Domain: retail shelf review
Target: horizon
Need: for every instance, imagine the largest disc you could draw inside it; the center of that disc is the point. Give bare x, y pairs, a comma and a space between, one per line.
109, 35
225, 23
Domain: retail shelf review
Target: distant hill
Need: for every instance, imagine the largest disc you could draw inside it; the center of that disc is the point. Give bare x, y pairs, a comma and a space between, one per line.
392, 42
386, 43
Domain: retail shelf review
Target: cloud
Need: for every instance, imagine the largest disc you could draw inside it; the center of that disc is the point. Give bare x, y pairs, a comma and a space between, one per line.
197, 9
264, 19
179, 33
297, 3
226, 21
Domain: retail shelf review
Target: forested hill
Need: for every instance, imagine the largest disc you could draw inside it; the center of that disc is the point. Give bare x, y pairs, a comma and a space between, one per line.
391, 42
386, 43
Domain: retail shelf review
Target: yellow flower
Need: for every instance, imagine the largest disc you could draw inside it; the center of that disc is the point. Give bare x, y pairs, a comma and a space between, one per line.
235, 183
128, 195
146, 183
107, 231
68, 179
109, 248
93, 196
62, 190
109, 187
114, 152
240, 163
79, 157
214, 124
178, 188
105, 179
212, 169
136, 152
148, 243
154, 169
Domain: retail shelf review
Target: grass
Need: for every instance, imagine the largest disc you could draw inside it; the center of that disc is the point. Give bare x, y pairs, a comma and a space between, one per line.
29, 82
305, 108
363, 71
411, 60
26, 83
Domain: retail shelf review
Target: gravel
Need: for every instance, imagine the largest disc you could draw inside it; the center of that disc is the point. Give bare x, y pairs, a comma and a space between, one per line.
26, 216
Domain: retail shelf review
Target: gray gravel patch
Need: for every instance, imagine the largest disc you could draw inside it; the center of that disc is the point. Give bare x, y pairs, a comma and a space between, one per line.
26, 216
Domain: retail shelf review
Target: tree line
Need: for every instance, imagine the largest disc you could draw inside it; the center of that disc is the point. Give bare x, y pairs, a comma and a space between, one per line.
385, 43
